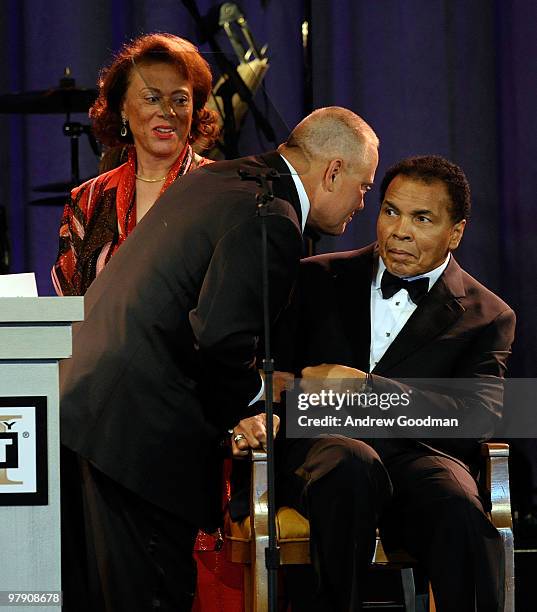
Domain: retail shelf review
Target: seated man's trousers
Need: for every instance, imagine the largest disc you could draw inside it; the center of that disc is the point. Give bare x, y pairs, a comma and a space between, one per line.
427, 504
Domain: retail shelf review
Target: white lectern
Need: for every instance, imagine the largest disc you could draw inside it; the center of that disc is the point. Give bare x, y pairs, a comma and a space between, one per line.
34, 334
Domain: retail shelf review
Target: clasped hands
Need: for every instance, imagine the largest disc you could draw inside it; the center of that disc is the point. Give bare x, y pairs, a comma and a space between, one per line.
251, 433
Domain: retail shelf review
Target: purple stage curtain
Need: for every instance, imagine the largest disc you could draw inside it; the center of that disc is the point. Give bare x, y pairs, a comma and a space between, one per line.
453, 77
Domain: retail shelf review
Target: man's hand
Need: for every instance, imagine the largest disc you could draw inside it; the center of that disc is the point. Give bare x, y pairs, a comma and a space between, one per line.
315, 378
332, 370
251, 433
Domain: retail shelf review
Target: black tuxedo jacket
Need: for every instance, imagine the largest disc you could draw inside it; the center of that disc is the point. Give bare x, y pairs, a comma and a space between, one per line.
459, 330
164, 362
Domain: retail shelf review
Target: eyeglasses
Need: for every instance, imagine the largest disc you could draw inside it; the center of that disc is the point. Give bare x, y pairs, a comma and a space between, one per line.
170, 105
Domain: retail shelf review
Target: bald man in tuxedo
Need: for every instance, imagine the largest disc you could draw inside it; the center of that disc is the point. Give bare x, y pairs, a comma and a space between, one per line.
164, 362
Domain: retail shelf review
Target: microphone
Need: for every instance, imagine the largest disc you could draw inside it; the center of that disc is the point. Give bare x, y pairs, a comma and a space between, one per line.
259, 177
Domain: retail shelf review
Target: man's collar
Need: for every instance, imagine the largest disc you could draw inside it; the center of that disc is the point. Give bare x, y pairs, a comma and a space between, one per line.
432, 275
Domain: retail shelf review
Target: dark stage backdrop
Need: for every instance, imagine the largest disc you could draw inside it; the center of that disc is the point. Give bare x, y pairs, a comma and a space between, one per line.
454, 77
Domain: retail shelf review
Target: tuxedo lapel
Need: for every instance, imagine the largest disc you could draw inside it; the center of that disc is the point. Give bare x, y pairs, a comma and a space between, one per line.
437, 311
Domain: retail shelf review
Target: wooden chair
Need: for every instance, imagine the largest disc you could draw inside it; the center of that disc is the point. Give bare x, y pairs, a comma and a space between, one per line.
248, 539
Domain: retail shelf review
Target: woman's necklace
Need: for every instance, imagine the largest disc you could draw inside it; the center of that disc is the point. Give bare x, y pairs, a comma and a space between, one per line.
148, 180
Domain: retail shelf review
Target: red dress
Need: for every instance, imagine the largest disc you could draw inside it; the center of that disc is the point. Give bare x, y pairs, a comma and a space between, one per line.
98, 217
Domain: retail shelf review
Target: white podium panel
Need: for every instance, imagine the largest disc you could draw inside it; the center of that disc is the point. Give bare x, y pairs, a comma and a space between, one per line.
34, 334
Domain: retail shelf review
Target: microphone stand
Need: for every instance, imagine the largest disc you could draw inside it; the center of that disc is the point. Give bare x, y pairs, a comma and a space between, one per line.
272, 552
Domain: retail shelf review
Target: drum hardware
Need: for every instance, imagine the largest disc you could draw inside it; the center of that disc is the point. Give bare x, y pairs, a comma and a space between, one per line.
66, 99
233, 95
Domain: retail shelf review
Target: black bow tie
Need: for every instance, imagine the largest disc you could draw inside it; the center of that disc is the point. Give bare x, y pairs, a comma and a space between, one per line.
391, 284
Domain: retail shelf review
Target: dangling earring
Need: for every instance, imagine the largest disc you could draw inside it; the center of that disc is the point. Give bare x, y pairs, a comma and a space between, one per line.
123, 131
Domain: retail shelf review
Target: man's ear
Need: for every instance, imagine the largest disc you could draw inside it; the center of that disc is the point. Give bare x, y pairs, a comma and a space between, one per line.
331, 173
457, 232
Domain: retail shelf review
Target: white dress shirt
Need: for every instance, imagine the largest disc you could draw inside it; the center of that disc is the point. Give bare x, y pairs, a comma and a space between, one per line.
302, 195
388, 317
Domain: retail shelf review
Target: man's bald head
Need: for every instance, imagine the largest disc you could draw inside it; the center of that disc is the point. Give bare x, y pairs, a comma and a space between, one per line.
331, 133
335, 154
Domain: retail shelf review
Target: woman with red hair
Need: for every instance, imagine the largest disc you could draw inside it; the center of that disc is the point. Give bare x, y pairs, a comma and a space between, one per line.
151, 104
150, 112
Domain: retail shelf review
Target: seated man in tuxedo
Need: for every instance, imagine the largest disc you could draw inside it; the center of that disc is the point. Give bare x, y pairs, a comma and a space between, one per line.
401, 308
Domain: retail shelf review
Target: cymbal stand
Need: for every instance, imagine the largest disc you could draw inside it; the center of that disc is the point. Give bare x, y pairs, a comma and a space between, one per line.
74, 129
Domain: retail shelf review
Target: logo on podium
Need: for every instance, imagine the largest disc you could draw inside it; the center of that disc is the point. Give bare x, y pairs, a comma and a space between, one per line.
9, 447
23, 451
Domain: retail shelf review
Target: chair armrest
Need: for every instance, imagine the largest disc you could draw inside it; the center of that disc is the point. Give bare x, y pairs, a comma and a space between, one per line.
259, 531
496, 456
258, 494
497, 482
